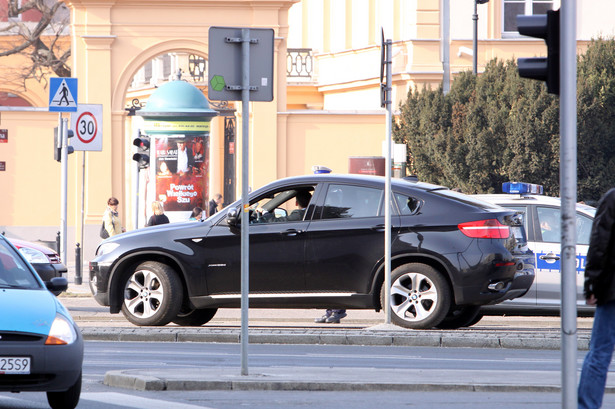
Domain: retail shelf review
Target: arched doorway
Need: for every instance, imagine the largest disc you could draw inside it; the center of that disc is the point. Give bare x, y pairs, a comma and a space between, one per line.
112, 41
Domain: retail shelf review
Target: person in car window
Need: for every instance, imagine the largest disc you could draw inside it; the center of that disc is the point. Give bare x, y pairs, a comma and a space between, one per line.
302, 200
599, 290
548, 228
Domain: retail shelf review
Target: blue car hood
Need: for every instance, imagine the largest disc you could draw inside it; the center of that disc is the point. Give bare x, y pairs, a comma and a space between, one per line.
28, 310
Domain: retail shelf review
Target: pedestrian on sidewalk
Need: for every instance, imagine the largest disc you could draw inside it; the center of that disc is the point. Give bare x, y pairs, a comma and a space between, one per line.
599, 290
112, 224
158, 217
212, 206
331, 317
197, 214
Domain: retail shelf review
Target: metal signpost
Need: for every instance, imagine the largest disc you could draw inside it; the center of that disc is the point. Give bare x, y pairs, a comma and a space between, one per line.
63, 98
87, 127
385, 101
242, 73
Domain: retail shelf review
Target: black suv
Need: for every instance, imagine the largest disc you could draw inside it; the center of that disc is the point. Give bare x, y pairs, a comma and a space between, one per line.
450, 254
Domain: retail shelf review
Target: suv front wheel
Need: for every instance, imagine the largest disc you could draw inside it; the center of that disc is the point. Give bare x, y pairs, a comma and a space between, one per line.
420, 296
152, 294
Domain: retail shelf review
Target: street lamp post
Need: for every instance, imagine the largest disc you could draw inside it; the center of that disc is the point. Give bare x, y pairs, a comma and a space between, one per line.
475, 39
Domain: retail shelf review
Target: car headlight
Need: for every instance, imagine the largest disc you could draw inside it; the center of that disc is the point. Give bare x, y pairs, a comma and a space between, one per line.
62, 332
106, 248
33, 256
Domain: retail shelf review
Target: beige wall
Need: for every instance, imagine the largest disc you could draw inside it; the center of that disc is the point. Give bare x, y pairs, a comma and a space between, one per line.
31, 182
329, 139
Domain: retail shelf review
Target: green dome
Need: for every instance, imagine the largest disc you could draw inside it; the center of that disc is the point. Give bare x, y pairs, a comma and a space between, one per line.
177, 99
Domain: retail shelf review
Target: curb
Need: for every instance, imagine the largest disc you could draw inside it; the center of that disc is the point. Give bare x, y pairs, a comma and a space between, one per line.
151, 383
332, 379
420, 338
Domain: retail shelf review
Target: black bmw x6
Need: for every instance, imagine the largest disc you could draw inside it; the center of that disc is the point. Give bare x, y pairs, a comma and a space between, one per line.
318, 242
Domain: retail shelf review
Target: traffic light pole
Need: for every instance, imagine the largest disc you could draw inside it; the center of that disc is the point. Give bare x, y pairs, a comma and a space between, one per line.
136, 176
568, 187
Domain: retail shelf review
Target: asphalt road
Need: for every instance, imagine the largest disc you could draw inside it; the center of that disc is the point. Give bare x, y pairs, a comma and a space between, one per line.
102, 357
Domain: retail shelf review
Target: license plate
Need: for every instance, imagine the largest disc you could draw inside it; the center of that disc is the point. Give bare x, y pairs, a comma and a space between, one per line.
14, 365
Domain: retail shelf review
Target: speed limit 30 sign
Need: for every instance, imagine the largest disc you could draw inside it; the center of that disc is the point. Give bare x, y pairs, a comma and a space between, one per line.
86, 124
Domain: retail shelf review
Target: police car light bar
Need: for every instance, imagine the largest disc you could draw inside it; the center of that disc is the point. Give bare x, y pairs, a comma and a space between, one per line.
521, 188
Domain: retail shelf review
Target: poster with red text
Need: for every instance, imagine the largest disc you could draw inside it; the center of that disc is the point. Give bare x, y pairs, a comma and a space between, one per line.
182, 169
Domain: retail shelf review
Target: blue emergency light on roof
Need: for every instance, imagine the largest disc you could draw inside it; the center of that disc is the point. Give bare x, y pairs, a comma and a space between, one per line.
521, 188
320, 169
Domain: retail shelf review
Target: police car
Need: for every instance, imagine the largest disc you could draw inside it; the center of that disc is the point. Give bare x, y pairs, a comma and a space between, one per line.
542, 220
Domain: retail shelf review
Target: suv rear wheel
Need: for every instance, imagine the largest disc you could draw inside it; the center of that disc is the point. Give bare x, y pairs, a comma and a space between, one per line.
420, 296
152, 294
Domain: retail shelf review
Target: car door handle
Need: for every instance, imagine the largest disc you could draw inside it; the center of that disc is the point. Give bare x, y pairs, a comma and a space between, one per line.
550, 256
291, 232
378, 227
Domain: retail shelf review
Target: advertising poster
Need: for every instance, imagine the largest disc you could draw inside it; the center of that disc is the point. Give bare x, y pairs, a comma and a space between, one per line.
182, 171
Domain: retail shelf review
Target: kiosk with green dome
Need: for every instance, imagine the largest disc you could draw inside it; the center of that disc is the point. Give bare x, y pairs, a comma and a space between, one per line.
177, 118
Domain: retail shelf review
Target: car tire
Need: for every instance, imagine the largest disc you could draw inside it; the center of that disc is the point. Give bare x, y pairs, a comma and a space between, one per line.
67, 399
420, 296
195, 318
153, 294
460, 316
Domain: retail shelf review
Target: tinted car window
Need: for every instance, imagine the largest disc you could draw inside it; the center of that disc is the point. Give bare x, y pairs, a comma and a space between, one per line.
584, 229
522, 209
407, 205
548, 220
13, 271
550, 225
348, 201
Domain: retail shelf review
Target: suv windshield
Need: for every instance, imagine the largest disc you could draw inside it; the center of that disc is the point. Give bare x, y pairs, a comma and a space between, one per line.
14, 272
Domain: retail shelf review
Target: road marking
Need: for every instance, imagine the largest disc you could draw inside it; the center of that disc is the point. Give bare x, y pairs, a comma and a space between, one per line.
130, 401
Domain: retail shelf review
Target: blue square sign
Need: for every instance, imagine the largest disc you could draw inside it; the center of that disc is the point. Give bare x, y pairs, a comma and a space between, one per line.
63, 94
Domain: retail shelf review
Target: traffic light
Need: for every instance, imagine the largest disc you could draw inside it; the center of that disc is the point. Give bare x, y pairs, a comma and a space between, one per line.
142, 156
545, 26
57, 144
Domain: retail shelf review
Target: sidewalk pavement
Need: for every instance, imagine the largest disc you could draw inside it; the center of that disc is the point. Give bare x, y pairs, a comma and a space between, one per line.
272, 326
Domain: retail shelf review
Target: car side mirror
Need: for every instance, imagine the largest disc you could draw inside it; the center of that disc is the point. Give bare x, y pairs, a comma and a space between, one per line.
280, 213
58, 284
232, 218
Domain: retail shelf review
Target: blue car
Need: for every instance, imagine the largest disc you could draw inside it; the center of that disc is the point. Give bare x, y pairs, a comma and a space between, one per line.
41, 348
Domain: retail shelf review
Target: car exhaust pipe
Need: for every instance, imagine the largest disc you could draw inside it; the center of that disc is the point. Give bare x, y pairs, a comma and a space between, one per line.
497, 286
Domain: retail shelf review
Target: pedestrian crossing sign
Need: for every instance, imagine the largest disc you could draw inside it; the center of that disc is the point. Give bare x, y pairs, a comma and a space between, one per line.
63, 94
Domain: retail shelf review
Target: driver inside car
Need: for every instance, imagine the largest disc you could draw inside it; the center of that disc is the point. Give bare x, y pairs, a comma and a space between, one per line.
301, 200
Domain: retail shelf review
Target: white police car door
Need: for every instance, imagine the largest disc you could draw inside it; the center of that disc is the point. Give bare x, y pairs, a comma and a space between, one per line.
547, 248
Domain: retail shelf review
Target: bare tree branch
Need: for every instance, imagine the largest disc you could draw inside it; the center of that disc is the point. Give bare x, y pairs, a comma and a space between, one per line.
38, 40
